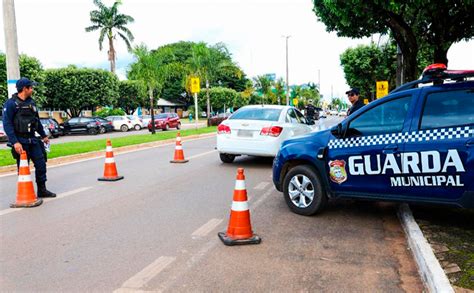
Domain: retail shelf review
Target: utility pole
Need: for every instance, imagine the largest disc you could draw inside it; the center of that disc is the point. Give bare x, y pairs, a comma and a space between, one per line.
287, 82
11, 45
399, 66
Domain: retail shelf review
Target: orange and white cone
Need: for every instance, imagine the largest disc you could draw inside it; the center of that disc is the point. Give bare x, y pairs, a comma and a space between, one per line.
25, 196
110, 169
239, 230
178, 151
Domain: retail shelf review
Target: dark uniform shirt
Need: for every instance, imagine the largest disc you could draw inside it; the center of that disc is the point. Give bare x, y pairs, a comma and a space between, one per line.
9, 111
359, 104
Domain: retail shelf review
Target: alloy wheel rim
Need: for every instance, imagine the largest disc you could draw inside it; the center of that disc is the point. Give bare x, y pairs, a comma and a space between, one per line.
301, 191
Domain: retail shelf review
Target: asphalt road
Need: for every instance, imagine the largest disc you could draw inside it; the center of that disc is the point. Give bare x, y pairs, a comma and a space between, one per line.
156, 231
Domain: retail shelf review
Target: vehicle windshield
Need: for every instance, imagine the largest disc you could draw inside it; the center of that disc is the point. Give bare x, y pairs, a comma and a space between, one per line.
161, 116
267, 114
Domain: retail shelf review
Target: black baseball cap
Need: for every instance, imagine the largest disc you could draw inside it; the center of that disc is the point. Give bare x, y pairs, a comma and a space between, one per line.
353, 90
24, 82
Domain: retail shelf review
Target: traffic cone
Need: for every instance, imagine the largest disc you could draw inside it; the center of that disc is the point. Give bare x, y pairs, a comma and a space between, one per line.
178, 151
25, 196
239, 230
110, 169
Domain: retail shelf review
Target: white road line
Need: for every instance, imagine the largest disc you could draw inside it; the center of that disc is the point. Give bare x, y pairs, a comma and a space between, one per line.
61, 195
115, 154
206, 228
201, 155
143, 277
261, 185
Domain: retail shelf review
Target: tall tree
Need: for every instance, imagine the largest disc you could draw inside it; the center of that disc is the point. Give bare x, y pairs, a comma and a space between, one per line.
132, 94
263, 85
413, 24
110, 23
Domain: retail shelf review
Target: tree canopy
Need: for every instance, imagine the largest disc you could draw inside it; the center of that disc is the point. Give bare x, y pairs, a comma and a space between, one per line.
132, 94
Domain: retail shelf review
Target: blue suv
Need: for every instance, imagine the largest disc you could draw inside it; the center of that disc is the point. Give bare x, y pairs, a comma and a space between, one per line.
414, 145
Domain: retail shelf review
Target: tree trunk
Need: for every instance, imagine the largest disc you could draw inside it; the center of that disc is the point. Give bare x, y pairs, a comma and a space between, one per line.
152, 108
111, 54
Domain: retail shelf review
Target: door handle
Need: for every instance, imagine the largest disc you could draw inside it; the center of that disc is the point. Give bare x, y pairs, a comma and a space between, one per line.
390, 149
470, 143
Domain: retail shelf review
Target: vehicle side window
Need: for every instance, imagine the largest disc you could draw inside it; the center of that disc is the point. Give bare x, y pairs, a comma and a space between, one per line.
384, 118
292, 116
73, 120
300, 117
446, 109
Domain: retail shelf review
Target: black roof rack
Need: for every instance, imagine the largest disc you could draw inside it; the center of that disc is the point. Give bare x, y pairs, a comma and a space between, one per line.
436, 77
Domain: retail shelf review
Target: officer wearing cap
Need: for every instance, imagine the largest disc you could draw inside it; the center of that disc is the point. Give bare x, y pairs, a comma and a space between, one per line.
21, 121
353, 96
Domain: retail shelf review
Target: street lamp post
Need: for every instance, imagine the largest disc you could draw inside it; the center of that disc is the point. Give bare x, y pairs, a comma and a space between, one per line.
287, 82
11, 45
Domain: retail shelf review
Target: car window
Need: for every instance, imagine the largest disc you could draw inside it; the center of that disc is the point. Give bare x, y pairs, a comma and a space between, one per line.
384, 118
266, 114
445, 109
160, 116
300, 117
291, 116
73, 120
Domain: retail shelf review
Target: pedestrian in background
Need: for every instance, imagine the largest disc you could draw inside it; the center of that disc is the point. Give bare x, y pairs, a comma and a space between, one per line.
309, 112
356, 102
21, 122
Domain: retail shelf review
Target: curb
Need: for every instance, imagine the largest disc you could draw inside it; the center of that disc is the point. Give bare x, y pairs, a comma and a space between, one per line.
117, 151
429, 268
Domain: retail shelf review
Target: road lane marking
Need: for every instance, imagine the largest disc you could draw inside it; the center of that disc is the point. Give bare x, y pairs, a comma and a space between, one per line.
206, 228
144, 276
61, 195
202, 154
261, 185
118, 153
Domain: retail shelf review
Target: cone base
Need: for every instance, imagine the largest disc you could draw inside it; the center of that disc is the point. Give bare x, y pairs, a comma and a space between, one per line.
255, 239
110, 178
32, 204
179, 161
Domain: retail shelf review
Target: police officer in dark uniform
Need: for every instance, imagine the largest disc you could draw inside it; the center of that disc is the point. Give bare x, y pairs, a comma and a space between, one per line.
353, 96
310, 111
21, 121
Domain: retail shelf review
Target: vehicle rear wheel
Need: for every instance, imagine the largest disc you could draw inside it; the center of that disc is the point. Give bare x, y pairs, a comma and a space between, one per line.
124, 128
92, 131
303, 191
226, 158
102, 130
137, 127
178, 126
167, 127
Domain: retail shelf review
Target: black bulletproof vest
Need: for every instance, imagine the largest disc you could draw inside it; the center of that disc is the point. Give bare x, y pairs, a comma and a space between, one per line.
25, 121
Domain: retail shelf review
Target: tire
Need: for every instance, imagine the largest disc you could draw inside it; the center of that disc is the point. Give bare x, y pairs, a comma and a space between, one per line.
92, 131
309, 183
124, 128
178, 126
137, 127
167, 127
226, 158
102, 130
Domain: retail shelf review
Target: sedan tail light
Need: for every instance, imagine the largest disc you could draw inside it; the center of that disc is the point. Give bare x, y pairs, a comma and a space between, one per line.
271, 131
97, 123
110, 122
223, 129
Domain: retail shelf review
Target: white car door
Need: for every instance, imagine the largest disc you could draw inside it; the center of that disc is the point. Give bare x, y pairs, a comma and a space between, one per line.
302, 125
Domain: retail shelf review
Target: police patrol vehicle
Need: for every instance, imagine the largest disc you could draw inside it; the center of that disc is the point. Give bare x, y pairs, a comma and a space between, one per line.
414, 145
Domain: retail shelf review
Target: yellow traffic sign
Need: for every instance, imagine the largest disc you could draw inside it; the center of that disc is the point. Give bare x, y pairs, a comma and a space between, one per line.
366, 101
295, 102
382, 89
195, 85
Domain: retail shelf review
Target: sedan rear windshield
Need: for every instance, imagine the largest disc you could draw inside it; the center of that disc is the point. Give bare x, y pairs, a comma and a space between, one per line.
161, 116
257, 114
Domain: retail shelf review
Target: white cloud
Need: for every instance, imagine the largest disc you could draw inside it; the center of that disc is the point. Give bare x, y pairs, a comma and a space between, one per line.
53, 31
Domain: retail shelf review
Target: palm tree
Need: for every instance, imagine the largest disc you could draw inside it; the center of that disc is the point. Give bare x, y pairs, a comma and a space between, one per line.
110, 22
263, 84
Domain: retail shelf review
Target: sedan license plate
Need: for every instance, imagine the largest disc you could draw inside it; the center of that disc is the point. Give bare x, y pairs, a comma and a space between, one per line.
245, 133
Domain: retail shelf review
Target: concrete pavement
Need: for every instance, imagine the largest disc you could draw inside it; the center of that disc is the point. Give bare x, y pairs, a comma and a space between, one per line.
156, 230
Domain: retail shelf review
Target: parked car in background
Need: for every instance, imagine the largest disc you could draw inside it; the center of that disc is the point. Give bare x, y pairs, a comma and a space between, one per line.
82, 125
136, 121
59, 126
146, 120
3, 135
105, 125
120, 123
259, 131
166, 121
51, 125
333, 112
342, 114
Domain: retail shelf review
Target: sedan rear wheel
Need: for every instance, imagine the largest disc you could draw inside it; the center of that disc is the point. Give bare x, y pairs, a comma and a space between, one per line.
178, 126
102, 130
226, 158
303, 191
167, 127
124, 128
137, 127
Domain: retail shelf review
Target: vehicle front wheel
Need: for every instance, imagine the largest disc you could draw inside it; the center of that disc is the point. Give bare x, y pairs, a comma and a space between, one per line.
124, 128
92, 131
167, 127
226, 158
137, 127
303, 191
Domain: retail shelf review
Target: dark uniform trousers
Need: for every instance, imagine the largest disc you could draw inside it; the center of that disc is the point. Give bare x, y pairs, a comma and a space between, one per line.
35, 152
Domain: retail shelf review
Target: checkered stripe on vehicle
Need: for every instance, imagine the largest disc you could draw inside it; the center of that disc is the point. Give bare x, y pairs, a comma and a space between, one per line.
415, 136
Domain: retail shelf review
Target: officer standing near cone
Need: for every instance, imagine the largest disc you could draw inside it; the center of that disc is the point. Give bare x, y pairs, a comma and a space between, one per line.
21, 121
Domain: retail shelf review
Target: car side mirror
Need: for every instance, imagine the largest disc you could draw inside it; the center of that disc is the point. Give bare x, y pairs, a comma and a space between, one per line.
338, 130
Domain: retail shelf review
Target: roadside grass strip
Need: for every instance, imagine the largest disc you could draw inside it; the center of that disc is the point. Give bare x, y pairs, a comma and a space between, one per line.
80, 147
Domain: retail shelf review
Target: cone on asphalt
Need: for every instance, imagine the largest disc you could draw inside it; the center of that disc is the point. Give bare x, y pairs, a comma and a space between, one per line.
25, 196
239, 230
178, 151
110, 169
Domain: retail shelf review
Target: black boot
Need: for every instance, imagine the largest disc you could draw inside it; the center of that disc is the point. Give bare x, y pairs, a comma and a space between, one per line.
43, 192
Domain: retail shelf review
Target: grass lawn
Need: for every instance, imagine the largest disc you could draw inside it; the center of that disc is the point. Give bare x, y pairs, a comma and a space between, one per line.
79, 147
